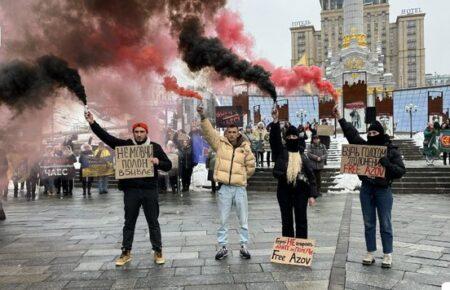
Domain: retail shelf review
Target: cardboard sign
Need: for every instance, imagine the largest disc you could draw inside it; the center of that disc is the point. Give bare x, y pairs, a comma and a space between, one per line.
66, 171
291, 251
134, 161
98, 167
325, 130
363, 160
229, 115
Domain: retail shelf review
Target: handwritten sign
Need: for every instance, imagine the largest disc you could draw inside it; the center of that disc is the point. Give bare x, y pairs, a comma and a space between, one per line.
325, 130
98, 167
134, 162
229, 115
293, 251
363, 160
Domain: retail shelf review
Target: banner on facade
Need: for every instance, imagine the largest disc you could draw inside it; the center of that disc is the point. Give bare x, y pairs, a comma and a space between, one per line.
291, 251
363, 160
134, 161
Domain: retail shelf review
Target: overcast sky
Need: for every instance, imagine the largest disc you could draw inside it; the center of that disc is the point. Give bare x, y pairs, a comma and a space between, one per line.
269, 21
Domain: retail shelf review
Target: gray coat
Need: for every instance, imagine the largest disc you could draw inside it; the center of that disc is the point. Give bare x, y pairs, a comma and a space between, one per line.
316, 151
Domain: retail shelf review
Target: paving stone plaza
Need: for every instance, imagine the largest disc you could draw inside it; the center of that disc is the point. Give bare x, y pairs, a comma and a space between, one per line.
72, 243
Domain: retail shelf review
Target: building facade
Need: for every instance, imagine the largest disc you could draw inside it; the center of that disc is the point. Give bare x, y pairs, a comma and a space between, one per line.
401, 44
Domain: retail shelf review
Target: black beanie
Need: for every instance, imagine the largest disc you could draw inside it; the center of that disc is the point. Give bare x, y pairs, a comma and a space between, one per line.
376, 126
292, 130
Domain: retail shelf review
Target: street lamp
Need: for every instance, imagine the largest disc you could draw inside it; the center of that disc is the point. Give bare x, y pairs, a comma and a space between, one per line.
301, 114
411, 108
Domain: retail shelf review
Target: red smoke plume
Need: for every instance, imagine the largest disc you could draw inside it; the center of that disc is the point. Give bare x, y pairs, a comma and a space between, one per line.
230, 30
298, 76
171, 85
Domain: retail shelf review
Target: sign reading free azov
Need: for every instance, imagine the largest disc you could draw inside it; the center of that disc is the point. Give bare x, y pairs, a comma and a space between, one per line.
134, 161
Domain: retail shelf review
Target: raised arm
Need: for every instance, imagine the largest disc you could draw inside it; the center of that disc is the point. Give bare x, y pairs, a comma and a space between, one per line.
108, 139
350, 132
210, 134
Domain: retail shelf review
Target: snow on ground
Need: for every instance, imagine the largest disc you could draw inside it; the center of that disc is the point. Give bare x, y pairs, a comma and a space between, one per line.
418, 139
346, 182
200, 177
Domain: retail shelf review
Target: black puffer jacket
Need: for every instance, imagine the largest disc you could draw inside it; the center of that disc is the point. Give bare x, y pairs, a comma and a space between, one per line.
306, 183
394, 170
142, 183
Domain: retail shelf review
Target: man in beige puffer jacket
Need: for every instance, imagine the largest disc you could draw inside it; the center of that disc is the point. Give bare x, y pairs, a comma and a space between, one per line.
235, 163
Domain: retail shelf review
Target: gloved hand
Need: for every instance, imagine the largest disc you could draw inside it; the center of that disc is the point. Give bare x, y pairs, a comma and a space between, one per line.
384, 161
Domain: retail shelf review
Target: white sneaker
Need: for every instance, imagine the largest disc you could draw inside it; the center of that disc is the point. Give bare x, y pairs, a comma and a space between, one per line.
369, 259
387, 261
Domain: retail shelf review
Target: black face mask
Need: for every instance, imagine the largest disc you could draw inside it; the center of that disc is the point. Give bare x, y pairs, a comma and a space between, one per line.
292, 145
376, 140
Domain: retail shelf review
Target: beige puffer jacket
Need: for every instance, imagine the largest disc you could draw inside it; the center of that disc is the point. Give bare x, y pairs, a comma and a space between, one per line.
233, 165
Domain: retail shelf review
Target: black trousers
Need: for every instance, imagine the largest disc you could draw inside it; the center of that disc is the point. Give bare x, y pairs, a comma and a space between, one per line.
31, 186
292, 200
268, 158
318, 179
444, 157
133, 199
86, 182
173, 180
186, 177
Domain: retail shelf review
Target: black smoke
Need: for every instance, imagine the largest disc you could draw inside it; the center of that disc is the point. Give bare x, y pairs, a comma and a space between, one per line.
200, 52
24, 84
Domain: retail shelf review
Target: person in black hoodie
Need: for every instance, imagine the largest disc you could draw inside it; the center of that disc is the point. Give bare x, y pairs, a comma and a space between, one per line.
138, 191
375, 193
296, 181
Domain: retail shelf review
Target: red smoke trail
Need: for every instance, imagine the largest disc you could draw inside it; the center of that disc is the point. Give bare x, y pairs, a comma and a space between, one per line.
298, 76
171, 85
229, 28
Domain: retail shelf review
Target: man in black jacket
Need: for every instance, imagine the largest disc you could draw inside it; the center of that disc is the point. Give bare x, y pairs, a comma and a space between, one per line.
376, 194
139, 191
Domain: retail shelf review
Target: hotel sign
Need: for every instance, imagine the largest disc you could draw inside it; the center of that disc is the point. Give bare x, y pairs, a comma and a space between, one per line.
301, 23
411, 11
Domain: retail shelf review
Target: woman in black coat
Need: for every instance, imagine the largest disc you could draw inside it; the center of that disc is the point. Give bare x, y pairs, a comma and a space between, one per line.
296, 182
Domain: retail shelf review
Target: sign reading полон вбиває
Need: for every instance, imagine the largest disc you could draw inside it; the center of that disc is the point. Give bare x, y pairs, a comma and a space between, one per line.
293, 251
363, 160
134, 161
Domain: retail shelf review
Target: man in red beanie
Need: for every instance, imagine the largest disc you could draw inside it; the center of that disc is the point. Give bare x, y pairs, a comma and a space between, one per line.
138, 191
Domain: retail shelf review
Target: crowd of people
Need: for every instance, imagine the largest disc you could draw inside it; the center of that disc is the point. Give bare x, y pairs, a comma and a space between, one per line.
231, 160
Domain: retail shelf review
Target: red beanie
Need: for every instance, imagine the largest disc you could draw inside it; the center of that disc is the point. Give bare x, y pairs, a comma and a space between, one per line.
142, 125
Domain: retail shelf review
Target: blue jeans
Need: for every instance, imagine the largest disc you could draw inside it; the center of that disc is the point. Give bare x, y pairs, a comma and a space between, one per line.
377, 200
103, 183
229, 195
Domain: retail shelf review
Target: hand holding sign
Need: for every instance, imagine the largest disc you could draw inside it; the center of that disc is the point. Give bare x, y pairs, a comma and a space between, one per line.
155, 161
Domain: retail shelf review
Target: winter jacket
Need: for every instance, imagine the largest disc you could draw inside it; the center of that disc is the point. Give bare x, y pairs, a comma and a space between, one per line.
259, 137
306, 181
142, 183
187, 158
316, 151
394, 170
234, 165
84, 158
